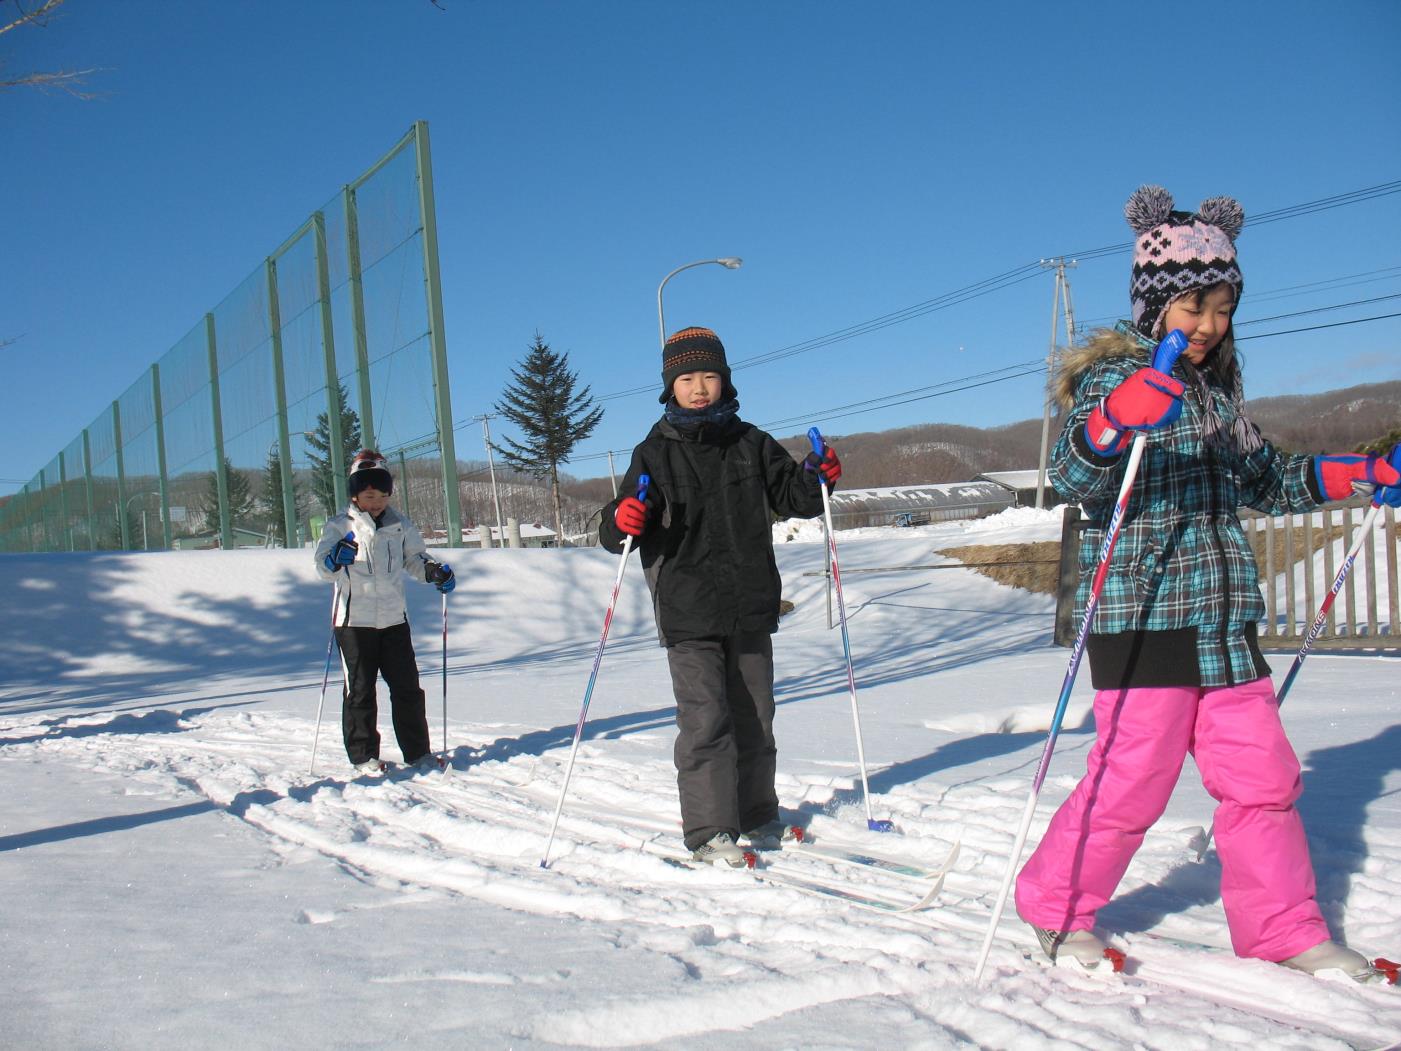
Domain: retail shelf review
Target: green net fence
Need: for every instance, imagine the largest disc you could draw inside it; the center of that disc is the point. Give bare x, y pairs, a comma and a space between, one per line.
240, 434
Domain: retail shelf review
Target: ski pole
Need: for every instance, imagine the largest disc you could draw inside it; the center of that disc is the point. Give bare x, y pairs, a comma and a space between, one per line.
820, 448
326, 677
1363, 532
642, 483
1164, 357
445, 676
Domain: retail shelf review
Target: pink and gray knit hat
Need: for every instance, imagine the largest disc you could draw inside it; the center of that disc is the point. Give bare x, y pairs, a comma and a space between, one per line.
1177, 253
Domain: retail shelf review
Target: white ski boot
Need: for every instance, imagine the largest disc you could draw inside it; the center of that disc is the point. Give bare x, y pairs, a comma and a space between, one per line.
721, 848
1083, 949
1331, 960
371, 768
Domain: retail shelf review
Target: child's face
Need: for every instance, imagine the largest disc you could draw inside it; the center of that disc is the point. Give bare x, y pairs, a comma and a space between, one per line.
371, 501
697, 390
1203, 319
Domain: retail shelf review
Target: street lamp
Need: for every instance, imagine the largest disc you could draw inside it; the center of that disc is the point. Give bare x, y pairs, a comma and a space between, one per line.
145, 544
729, 263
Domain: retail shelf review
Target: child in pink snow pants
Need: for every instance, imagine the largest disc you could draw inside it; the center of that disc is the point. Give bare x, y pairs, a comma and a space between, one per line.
1173, 653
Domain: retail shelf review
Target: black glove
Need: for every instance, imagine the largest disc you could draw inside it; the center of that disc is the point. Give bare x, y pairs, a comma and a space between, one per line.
440, 575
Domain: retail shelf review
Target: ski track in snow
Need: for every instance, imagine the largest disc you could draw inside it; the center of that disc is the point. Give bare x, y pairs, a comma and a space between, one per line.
759, 952
750, 953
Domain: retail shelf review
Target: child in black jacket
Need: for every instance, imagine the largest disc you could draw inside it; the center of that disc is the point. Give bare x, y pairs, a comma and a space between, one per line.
704, 532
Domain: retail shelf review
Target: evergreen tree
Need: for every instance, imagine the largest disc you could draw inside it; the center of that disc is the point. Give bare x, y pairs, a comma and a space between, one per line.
242, 505
551, 416
272, 496
1383, 445
323, 483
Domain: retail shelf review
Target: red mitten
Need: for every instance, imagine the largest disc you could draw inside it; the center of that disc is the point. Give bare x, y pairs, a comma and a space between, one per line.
631, 516
828, 466
1146, 401
1336, 474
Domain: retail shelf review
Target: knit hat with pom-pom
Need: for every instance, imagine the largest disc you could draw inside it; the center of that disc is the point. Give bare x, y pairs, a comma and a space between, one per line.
1177, 253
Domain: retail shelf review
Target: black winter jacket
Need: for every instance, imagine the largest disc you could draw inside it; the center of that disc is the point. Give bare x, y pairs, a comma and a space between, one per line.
707, 548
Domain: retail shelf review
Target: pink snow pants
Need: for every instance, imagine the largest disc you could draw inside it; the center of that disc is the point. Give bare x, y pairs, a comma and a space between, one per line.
1248, 766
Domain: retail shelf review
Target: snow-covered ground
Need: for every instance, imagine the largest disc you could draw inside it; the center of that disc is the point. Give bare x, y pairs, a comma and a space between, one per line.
174, 876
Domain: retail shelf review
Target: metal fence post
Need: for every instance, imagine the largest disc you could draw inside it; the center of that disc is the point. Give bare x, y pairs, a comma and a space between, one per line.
221, 474
328, 353
167, 533
291, 527
121, 476
357, 318
437, 339
87, 491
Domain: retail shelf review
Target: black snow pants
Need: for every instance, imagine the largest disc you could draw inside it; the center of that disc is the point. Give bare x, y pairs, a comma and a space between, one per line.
367, 653
725, 751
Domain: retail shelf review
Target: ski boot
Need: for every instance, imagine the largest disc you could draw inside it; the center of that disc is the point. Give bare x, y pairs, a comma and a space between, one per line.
768, 836
719, 848
1331, 960
1081, 948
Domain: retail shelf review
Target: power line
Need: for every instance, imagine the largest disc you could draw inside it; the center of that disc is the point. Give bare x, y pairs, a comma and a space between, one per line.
1320, 310
1312, 328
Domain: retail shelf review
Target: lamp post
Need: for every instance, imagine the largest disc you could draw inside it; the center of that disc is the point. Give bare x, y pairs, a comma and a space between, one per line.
728, 262
491, 466
145, 544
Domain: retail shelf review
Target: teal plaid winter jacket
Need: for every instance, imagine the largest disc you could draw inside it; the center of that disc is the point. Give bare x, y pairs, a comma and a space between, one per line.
1182, 597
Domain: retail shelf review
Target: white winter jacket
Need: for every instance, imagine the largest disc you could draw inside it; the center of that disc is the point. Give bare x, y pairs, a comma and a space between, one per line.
372, 587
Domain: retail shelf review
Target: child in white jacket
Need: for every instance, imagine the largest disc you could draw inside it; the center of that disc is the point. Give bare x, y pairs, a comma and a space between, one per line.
367, 551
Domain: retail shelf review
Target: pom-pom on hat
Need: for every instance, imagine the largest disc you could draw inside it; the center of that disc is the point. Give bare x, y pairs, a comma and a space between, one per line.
693, 349
1177, 253
368, 471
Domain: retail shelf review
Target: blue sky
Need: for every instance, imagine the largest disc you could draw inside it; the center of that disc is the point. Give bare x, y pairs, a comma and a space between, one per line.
861, 158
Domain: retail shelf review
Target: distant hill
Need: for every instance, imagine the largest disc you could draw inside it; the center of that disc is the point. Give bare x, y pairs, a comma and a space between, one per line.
1333, 421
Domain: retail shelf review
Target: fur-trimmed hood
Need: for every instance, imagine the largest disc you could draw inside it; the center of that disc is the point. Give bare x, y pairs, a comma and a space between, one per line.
1103, 344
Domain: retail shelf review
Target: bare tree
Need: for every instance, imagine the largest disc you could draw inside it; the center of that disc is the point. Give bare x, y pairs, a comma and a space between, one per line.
69, 80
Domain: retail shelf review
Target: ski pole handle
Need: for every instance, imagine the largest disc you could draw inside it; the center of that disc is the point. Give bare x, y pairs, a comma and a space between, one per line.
642, 484
818, 445
1169, 350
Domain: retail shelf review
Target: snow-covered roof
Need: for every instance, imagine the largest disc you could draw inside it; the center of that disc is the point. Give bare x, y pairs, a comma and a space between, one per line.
1012, 479
917, 497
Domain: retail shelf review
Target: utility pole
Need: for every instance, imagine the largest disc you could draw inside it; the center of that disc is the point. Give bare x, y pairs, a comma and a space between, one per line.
491, 467
1060, 293
612, 476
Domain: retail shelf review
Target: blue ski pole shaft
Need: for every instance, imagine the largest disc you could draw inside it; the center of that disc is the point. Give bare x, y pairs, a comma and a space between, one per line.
1164, 357
642, 483
325, 677
820, 448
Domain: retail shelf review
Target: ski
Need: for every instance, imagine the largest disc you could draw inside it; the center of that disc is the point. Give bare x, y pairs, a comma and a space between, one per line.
763, 871
1361, 1016
801, 843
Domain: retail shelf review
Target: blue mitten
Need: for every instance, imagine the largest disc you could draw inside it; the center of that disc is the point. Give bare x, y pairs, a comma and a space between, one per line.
343, 554
1391, 494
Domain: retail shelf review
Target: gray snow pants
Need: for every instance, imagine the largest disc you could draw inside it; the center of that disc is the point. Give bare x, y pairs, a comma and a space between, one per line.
725, 751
